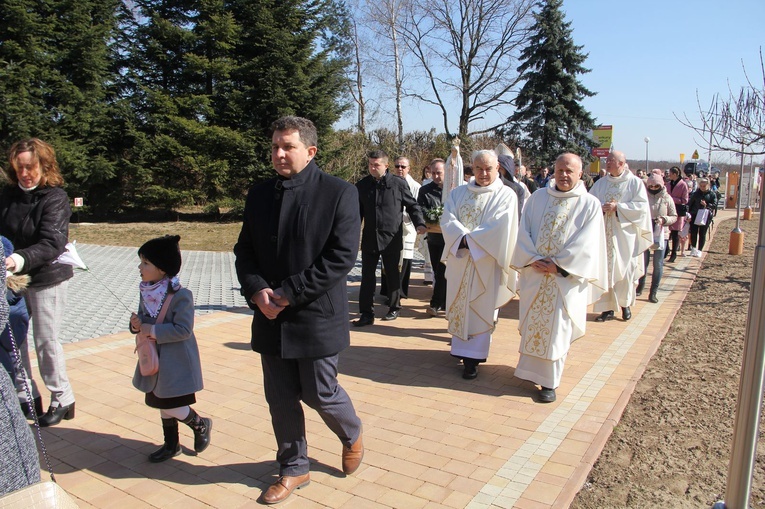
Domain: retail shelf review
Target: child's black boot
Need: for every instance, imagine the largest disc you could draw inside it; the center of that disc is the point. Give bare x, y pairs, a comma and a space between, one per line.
171, 447
202, 427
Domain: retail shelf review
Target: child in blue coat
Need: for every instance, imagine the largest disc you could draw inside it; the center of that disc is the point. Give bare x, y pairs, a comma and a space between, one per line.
171, 390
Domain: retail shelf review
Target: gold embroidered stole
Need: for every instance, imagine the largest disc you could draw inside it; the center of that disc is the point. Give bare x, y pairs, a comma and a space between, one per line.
613, 193
470, 214
537, 328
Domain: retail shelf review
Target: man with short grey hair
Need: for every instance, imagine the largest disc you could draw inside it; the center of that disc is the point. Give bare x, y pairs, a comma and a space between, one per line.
480, 225
629, 232
561, 258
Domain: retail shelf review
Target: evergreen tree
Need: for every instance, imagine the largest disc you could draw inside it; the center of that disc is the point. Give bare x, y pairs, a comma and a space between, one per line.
549, 118
55, 70
291, 61
208, 78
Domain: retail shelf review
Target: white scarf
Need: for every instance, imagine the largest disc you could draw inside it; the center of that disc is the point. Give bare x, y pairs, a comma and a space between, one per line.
154, 294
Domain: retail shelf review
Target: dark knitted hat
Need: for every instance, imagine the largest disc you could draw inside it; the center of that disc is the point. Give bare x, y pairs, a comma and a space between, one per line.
164, 253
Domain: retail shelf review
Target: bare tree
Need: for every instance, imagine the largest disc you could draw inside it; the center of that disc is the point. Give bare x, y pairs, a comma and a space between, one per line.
383, 19
735, 123
356, 80
467, 49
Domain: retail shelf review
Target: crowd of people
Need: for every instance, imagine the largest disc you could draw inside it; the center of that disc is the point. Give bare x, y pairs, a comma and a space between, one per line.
489, 231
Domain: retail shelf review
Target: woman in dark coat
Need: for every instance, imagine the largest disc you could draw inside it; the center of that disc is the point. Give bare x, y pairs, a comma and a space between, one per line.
34, 215
701, 199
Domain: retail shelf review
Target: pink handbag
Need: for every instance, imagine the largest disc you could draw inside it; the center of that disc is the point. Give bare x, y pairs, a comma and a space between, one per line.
146, 347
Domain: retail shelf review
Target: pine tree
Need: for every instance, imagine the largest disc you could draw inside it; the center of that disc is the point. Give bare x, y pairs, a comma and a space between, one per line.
208, 78
549, 117
55, 71
292, 58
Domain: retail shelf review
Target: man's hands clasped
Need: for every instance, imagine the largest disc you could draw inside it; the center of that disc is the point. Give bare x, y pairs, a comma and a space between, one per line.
270, 302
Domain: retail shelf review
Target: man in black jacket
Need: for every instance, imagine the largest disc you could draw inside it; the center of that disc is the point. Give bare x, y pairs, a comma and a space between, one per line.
430, 198
382, 198
299, 240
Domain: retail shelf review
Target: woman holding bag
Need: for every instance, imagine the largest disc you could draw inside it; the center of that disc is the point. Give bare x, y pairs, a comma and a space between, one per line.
678, 190
663, 215
701, 206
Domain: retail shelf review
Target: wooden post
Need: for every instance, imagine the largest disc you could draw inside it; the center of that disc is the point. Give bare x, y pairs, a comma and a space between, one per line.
736, 245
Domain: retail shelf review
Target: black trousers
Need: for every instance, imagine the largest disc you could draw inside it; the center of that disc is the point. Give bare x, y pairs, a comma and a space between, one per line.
404, 274
369, 259
436, 249
314, 381
699, 233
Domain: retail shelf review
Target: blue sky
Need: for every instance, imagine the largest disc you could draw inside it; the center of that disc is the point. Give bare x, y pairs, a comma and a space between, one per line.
648, 60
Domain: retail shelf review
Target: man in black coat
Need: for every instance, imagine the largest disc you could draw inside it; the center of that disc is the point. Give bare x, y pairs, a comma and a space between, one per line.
429, 198
298, 242
382, 199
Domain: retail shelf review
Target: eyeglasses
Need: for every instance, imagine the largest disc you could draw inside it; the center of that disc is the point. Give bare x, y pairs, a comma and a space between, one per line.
400, 166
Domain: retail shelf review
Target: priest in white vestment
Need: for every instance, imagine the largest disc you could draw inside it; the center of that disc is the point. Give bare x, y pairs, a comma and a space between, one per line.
480, 226
401, 168
629, 232
561, 258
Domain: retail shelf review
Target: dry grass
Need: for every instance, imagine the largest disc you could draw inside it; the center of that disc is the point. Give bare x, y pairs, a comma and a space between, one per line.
195, 236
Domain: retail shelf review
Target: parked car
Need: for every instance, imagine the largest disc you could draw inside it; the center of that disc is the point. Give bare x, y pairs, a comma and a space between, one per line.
698, 167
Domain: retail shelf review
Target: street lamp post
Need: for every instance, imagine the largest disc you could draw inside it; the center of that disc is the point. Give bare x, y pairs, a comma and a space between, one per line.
647, 139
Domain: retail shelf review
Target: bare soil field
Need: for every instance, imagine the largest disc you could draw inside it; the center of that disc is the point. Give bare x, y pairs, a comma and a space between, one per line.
671, 448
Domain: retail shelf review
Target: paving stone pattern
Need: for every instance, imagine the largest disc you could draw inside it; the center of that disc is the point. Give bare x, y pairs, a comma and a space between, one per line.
99, 301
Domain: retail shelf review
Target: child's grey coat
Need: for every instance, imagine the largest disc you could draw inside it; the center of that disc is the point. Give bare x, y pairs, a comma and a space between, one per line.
180, 369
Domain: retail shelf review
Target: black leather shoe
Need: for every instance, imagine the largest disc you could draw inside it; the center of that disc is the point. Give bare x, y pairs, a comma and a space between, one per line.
672, 258
30, 410
470, 371
639, 289
626, 313
54, 415
364, 320
605, 315
164, 453
546, 395
652, 298
392, 315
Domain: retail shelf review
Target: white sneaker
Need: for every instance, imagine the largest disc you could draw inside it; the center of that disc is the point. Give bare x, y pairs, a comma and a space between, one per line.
696, 253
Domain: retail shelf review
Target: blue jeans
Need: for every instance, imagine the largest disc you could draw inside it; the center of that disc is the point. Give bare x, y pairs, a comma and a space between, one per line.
658, 268
18, 322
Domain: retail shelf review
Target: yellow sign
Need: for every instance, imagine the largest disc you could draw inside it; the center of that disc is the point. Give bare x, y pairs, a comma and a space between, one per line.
603, 134
695, 154
682, 158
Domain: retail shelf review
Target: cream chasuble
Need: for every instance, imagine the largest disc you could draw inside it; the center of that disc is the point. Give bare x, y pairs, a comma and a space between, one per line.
629, 232
408, 229
480, 279
566, 227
